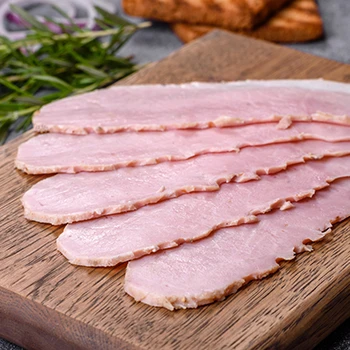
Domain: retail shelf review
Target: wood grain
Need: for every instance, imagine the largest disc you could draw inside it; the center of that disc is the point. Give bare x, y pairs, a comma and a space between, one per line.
45, 303
297, 22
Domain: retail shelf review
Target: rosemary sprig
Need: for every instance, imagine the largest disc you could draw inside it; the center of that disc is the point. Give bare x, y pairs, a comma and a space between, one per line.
46, 66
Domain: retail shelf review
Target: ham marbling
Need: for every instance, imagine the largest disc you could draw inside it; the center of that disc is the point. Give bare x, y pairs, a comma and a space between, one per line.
209, 270
67, 198
51, 153
113, 239
197, 105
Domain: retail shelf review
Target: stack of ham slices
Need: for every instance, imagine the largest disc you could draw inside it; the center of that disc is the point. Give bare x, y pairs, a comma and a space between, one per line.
233, 177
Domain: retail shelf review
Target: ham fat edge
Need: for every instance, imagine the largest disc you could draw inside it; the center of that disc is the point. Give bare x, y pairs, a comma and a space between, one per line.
211, 269
67, 198
55, 153
197, 105
110, 240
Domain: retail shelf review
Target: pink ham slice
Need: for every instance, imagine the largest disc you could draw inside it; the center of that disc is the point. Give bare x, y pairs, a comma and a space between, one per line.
197, 105
68, 198
209, 270
51, 153
113, 239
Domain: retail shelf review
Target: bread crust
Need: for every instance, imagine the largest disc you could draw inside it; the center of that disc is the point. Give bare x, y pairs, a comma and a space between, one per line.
298, 22
230, 14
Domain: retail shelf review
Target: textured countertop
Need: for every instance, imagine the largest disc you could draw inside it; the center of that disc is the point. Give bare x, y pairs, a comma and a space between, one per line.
157, 42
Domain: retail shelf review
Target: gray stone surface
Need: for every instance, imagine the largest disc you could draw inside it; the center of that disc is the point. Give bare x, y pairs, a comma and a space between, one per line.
158, 42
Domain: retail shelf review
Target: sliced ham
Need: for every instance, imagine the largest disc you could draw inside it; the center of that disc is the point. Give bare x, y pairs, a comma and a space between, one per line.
197, 105
113, 239
67, 198
51, 153
209, 270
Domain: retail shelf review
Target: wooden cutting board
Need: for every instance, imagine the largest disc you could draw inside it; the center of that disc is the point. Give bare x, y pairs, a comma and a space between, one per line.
45, 303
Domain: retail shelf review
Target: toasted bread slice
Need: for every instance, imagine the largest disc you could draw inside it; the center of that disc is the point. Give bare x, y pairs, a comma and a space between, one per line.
298, 22
231, 14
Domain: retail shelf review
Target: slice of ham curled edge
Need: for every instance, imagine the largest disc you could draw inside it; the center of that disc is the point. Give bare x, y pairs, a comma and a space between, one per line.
197, 105
113, 239
97, 194
53, 153
209, 270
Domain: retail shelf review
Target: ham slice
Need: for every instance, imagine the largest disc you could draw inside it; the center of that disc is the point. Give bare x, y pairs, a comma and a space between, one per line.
51, 153
197, 105
67, 198
209, 270
113, 239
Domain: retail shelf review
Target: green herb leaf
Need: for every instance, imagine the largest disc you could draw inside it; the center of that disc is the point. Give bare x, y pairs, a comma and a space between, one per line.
6, 83
29, 19
53, 81
70, 21
45, 66
111, 18
93, 71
